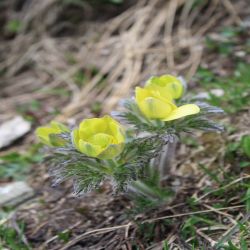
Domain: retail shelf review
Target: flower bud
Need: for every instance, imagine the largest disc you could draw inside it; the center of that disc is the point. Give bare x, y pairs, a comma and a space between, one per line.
49, 134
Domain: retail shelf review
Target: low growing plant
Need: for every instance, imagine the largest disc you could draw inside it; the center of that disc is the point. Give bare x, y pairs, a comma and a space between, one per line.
102, 149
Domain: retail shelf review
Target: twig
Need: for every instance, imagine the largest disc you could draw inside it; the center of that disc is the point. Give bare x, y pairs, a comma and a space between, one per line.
109, 229
233, 230
191, 213
207, 238
226, 186
95, 231
64, 231
19, 232
231, 9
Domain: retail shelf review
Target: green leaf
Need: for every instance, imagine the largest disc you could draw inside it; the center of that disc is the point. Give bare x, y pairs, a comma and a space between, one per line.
247, 199
79, 78
14, 26
64, 236
232, 246
165, 245
15, 165
243, 244
245, 164
242, 73
246, 145
56, 140
11, 239
212, 175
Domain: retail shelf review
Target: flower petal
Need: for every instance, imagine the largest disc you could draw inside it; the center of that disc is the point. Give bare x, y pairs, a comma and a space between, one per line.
169, 86
75, 138
94, 125
97, 135
154, 108
111, 151
59, 126
101, 139
182, 111
141, 94
43, 134
116, 130
89, 149
56, 140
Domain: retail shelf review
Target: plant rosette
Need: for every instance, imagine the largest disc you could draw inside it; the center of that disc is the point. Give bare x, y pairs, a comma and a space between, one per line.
101, 148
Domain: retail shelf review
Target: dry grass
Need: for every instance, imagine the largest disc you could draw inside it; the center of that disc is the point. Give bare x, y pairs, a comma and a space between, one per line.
149, 38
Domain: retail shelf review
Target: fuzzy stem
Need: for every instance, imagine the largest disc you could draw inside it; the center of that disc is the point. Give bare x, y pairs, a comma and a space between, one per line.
111, 165
165, 159
139, 187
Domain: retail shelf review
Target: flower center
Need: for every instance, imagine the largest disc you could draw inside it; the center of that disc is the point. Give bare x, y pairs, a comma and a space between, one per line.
101, 139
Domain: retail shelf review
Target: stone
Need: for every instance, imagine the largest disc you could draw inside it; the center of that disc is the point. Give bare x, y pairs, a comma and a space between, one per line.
12, 130
217, 92
15, 193
202, 95
205, 95
240, 53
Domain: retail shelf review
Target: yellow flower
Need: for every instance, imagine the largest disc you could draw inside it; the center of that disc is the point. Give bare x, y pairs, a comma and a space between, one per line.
49, 134
169, 86
99, 137
154, 106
